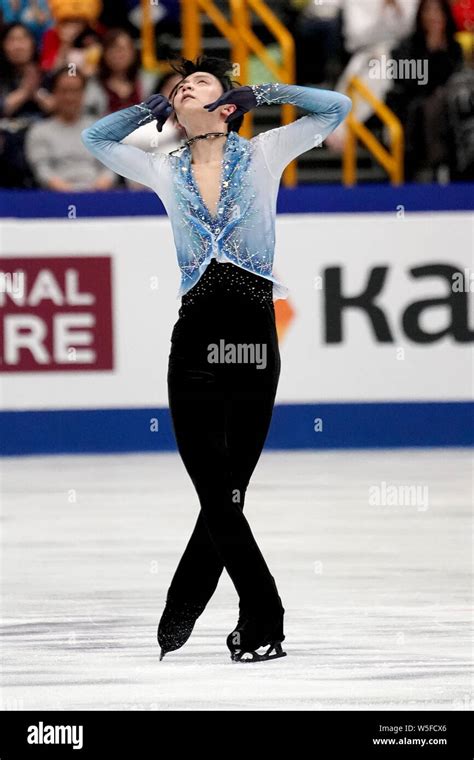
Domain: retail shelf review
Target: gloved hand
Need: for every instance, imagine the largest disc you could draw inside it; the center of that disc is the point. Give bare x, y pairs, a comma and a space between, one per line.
160, 107
243, 97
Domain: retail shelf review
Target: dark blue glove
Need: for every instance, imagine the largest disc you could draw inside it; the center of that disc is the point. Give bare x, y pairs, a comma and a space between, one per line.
242, 97
160, 107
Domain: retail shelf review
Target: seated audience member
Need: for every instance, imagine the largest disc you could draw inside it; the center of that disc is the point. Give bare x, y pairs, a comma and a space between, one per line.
22, 101
371, 28
75, 38
316, 28
119, 70
460, 108
54, 147
421, 103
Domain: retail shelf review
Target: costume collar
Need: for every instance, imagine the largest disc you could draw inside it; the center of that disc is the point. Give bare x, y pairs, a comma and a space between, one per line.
232, 152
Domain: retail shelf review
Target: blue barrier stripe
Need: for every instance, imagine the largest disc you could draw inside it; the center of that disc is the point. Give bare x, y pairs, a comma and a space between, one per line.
40, 204
344, 426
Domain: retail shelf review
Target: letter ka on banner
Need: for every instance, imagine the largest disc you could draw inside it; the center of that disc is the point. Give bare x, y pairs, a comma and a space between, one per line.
56, 314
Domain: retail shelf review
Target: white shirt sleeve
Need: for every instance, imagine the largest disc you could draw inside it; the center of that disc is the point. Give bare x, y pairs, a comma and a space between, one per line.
282, 145
103, 140
367, 22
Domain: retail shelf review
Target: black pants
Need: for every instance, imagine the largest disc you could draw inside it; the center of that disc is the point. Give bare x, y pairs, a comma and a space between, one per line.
221, 413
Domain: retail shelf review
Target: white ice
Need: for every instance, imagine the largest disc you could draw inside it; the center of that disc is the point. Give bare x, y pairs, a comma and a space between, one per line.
378, 597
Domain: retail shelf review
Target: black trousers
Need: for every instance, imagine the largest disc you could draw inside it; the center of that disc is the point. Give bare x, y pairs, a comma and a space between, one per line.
221, 413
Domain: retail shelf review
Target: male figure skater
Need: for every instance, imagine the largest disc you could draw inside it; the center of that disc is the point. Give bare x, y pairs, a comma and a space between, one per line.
220, 194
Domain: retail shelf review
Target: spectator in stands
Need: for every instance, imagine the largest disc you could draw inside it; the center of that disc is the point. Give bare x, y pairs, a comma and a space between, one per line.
54, 147
22, 101
118, 70
34, 14
316, 27
460, 110
421, 105
371, 28
74, 39
368, 22
127, 15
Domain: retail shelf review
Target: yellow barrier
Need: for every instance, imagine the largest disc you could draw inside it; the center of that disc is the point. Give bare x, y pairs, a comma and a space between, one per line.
466, 40
243, 42
149, 59
391, 161
191, 25
251, 44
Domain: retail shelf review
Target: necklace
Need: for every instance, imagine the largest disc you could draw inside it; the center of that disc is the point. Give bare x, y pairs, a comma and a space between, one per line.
208, 134
200, 137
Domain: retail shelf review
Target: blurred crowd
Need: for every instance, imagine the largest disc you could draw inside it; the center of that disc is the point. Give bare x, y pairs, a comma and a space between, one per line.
415, 55
66, 63
63, 65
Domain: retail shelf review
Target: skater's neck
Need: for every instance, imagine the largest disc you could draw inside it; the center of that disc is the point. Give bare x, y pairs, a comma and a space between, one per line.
208, 151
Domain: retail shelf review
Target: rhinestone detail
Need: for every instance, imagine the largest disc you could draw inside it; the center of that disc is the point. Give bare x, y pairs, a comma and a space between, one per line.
227, 279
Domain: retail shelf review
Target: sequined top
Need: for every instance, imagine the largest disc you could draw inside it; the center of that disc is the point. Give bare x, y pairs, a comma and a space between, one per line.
243, 230
226, 280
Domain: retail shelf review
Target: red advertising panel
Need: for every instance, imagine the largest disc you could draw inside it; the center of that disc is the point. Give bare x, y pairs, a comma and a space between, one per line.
56, 314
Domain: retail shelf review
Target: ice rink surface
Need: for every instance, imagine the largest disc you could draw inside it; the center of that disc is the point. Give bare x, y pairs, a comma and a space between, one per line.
376, 583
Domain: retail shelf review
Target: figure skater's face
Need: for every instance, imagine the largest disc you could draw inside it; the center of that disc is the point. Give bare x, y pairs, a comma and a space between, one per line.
194, 92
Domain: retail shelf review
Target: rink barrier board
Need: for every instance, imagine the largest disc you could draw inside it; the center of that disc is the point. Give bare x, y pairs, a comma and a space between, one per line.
39, 204
344, 426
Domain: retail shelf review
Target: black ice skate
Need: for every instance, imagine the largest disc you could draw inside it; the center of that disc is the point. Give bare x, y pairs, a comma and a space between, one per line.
176, 624
244, 641
273, 652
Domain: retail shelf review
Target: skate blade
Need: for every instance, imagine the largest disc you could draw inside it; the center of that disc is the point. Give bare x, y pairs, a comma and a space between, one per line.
239, 656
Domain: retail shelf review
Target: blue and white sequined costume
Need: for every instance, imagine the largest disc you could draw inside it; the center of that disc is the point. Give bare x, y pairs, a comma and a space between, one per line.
243, 231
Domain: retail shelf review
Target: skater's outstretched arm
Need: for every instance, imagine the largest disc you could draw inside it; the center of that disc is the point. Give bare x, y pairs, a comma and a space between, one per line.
103, 140
283, 144
280, 146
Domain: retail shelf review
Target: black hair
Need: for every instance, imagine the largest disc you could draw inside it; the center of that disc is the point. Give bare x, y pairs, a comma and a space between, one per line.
221, 68
7, 70
451, 28
162, 79
109, 39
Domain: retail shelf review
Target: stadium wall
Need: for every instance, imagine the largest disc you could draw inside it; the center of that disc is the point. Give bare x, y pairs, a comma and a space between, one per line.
375, 337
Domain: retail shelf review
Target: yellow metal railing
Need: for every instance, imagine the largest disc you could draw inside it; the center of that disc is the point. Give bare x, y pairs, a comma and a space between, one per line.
149, 59
466, 40
249, 43
392, 161
191, 25
243, 42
